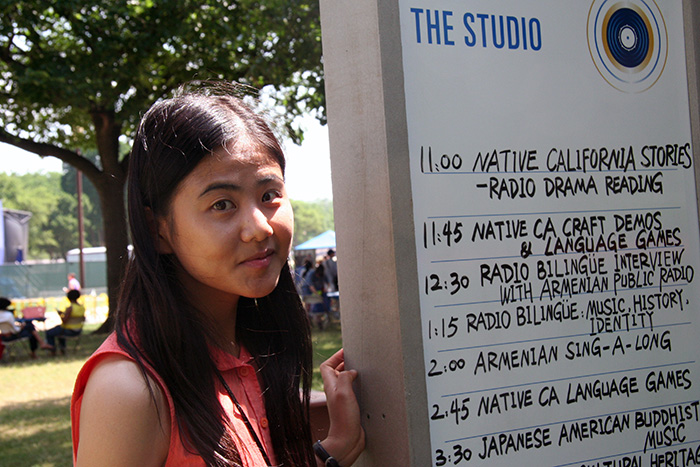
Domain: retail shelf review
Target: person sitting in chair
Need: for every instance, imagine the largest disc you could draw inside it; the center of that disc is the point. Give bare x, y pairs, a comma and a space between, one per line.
26, 329
71, 324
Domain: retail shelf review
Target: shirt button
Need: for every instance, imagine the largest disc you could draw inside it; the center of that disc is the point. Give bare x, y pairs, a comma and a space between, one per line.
264, 423
244, 371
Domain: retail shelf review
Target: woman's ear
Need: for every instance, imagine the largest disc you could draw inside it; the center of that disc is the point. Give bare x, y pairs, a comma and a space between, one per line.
159, 232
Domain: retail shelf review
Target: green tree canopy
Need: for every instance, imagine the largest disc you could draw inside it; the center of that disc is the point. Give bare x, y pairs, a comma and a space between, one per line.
76, 75
53, 228
311, 219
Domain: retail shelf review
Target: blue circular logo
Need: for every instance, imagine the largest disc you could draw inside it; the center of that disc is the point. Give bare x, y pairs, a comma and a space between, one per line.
628, 43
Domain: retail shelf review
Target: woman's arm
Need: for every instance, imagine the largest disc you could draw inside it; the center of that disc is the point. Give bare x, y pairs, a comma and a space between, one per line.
119, 422
346, 438
66, 314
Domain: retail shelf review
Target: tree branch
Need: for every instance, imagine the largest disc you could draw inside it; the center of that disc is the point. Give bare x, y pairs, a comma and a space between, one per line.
6, 54
43, 150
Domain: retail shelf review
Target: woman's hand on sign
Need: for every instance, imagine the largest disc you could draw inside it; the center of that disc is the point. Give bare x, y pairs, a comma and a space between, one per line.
346, 438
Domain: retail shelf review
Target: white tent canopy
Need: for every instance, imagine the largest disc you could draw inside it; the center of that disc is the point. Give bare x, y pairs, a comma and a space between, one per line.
324, 241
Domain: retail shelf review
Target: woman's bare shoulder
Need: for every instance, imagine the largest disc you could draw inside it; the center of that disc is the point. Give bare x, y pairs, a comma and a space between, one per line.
122, 422
116, 375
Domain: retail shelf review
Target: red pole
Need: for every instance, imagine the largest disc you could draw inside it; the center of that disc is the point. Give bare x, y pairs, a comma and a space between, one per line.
79, 179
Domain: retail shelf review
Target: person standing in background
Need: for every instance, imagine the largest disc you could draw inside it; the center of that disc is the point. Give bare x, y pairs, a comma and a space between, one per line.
330, 266
73, 283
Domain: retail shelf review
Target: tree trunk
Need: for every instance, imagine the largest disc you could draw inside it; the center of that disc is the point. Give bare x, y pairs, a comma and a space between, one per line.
110, 186
116, 241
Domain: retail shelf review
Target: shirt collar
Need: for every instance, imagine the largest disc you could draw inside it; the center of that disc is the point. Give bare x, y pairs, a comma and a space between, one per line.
225, 361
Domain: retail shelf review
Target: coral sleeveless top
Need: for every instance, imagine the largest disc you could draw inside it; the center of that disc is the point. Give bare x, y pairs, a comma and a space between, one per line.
239, 374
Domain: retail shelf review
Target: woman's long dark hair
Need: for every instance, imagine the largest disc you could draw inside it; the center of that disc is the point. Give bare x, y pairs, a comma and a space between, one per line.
157, 326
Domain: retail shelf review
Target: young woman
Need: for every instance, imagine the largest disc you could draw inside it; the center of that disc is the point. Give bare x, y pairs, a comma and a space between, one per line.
210, 362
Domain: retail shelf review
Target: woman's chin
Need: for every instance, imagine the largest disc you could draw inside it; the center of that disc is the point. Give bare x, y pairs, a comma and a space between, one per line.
260, 292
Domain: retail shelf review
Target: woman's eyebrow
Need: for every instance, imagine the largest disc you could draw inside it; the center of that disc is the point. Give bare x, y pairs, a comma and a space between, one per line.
234, 187
220, 186
270, 178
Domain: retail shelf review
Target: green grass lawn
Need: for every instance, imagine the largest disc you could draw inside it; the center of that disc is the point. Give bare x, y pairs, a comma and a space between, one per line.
35, 399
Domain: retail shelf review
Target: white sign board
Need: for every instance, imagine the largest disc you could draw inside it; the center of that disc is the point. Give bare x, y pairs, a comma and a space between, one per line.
556, 230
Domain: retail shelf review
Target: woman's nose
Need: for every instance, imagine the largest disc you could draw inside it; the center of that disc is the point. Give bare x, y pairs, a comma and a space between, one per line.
256, 226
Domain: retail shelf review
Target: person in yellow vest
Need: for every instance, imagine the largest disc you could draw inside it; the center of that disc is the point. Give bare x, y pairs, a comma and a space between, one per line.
72, 319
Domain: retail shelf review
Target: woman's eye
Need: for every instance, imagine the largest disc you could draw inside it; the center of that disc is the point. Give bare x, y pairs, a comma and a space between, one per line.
222, 205
271, 195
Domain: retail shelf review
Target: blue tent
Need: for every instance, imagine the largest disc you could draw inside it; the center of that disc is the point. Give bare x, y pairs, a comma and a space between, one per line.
2, 234
324, 241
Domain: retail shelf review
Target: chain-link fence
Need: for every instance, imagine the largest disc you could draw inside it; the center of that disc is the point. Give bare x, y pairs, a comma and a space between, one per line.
48, 280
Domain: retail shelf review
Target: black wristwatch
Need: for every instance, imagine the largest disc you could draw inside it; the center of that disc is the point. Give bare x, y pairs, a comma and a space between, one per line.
322, 454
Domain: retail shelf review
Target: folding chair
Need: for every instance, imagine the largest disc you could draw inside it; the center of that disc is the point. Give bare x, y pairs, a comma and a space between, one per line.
6, 328
75, 338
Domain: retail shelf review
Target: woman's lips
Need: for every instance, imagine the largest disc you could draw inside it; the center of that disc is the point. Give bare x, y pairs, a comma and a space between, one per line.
260, 260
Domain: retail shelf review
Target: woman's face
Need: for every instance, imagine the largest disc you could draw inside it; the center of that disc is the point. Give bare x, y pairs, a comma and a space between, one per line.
230, 225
